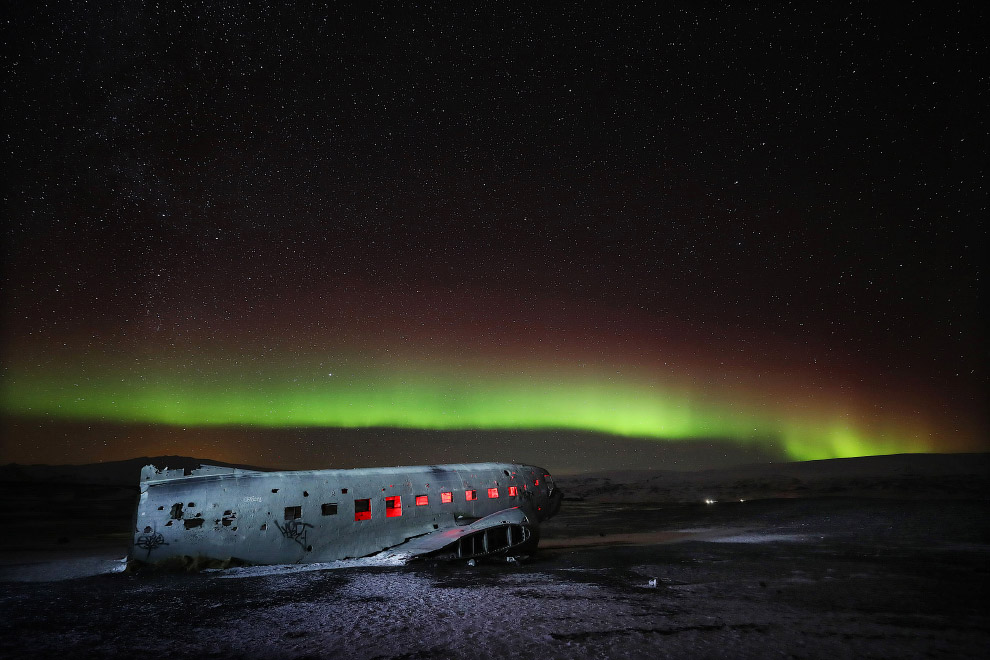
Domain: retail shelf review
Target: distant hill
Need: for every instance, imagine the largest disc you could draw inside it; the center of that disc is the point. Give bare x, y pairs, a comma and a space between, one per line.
952, 476
125, 473
911, 476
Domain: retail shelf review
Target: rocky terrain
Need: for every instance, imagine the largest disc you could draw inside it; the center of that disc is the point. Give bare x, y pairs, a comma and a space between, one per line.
636, 565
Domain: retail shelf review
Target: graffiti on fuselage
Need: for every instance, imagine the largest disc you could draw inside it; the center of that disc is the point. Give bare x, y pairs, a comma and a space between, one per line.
150, 541
295, 530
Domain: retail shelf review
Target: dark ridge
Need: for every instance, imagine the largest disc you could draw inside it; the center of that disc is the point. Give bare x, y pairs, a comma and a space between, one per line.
126, 472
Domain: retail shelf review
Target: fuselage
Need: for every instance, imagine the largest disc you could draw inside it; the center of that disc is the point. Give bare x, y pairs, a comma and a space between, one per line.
324, 515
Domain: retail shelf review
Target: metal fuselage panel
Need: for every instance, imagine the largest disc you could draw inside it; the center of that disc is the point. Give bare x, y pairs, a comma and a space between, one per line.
315, 516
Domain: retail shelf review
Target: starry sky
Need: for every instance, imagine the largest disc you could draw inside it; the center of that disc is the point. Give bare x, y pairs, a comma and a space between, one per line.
615, 235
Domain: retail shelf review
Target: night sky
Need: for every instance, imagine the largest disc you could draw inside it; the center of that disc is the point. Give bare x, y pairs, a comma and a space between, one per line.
585, 237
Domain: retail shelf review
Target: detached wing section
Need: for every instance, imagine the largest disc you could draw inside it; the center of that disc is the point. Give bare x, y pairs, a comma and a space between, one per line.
506, 532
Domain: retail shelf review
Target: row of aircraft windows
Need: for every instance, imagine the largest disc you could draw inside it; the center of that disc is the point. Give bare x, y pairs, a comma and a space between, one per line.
393, 504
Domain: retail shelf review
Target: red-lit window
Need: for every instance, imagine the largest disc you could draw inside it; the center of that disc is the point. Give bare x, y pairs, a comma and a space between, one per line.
536, 482
492, 493
513, 491
446, 498
422, 500
362, 509
470, 495
393, 506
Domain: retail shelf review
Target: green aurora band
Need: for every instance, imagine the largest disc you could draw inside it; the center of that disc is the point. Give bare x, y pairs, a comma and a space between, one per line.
225, 392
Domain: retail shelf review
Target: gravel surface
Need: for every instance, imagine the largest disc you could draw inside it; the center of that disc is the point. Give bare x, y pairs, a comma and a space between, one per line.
822, 578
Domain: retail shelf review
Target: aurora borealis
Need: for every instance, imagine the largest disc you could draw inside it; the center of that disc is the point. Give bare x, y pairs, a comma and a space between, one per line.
270, 222
631, 389
454, 398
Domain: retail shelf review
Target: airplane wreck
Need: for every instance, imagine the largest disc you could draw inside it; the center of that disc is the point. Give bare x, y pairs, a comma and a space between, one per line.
457, 511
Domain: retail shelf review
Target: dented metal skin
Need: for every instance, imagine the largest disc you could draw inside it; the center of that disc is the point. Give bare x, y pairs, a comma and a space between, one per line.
317, 516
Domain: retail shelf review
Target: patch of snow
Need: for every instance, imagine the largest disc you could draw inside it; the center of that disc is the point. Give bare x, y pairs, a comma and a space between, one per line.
64, 569
761, 538
379, 560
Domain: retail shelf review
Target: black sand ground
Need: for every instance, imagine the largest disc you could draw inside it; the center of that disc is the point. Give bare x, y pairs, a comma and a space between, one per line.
801, 578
